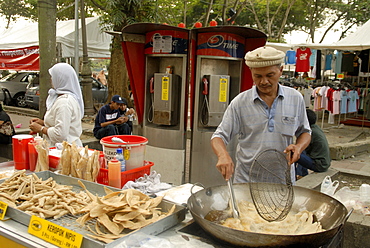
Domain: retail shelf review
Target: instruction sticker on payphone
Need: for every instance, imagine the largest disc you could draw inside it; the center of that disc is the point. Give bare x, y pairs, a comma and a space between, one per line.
215, 99
164, 89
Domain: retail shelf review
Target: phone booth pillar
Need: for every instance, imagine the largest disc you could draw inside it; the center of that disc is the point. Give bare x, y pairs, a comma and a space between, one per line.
220, 75
157, 60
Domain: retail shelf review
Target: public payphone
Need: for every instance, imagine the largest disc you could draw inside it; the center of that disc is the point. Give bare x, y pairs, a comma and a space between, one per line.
214, 98
220, 75
164, 101
157, 59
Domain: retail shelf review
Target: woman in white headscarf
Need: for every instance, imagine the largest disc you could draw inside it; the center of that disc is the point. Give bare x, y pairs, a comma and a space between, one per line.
64, 108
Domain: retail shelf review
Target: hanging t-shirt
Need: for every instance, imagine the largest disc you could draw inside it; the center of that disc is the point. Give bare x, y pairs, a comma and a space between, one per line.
313, 57
364, 56
303, 60
329, 95
347, 61
307, 92
317, 99
343, 101
352, 103
356, 66
338, 63
328, 59
290, 57
336, 102
324, 99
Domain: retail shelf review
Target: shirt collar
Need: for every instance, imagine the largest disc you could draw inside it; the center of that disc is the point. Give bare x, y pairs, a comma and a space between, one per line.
256, 96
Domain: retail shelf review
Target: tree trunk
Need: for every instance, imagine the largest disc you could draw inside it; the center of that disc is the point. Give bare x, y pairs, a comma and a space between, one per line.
47, 42
118, 77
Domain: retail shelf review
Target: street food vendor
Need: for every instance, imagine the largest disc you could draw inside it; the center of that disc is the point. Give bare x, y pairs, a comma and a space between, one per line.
64, 108
267, 116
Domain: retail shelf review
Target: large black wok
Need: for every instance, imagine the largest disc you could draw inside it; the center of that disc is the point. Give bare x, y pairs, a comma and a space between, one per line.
330, 212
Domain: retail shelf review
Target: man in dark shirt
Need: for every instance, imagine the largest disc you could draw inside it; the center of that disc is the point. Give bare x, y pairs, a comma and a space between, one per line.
108, 120
124, 110
316, 157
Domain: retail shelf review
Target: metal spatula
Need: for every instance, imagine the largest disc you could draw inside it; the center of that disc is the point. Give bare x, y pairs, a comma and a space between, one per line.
271, 186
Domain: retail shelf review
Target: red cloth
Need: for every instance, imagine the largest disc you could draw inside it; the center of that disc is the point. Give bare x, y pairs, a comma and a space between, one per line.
303, 60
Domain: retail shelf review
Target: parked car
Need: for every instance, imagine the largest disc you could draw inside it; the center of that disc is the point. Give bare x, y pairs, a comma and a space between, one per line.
99, 93
14, 87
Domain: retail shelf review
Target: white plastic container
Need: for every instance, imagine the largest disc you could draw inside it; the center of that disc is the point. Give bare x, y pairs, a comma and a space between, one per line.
133, 149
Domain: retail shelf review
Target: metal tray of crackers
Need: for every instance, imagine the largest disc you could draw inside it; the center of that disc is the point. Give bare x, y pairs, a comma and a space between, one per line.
176, 213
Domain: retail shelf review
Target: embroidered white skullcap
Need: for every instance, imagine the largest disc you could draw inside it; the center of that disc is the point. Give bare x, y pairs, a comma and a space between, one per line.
264, 56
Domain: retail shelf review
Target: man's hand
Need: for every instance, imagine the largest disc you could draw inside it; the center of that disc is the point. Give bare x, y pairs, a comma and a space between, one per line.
225, 164
130, 111
121, 120
293, 153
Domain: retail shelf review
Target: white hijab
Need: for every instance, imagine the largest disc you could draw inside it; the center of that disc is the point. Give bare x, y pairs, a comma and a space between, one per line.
65, 81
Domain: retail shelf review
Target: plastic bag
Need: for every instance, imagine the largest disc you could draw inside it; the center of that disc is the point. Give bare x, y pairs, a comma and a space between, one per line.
142, 240
328, 187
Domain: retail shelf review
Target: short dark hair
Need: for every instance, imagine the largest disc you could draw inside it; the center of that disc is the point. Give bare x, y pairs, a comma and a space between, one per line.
311, 116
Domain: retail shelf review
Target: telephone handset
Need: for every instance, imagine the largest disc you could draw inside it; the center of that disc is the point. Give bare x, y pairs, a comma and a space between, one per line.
205, 86
205, 105
151, 108
151, 85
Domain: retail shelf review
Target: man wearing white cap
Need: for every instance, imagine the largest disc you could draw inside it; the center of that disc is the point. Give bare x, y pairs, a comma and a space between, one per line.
267, 116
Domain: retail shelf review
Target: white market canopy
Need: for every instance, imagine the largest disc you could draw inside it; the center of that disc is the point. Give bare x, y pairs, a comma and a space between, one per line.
358, 41
98, 42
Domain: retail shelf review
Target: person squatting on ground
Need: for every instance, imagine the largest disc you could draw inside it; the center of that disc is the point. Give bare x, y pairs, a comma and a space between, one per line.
108, 120
124, 110
64, 108
316, 157
267, 116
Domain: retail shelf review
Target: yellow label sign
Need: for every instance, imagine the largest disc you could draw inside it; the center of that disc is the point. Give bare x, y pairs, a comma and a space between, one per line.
126, 154
54, 234
3, 208
165, 85
340, 76
223, 90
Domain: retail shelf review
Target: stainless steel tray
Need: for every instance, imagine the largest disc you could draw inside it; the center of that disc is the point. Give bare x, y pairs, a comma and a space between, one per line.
69, 221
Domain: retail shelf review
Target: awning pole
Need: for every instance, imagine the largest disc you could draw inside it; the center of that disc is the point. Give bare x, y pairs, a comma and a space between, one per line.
77, 60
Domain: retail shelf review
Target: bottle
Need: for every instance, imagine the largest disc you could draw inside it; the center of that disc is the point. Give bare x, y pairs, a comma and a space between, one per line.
38, 139
114, 173
121, 159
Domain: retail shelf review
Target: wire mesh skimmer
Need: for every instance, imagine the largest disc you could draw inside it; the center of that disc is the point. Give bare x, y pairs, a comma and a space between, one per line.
271, 186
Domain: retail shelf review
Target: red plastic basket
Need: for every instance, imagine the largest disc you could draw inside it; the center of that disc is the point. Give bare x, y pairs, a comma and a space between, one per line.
126, 176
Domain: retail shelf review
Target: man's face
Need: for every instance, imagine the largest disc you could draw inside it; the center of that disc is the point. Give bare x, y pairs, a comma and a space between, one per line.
267, 78
116, 105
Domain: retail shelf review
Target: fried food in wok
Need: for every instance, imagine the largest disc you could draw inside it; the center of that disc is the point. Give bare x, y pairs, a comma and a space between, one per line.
294, 224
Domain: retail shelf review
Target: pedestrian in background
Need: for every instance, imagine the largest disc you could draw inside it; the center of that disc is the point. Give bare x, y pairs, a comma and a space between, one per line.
64, 108
6, 127
101, 77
